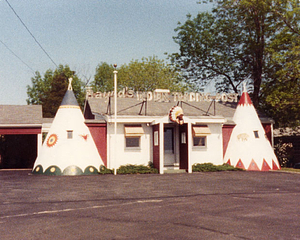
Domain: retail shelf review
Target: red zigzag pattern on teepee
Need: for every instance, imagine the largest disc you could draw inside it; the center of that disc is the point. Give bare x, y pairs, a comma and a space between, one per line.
253, 166
265, 166
274, 166
240, 164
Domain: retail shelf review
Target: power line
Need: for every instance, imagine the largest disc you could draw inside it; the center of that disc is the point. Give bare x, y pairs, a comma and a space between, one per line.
31, 33
16, 56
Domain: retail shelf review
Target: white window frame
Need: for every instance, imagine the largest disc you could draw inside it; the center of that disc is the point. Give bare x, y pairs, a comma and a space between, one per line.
200, 146
133, 147
202, 134
133, 135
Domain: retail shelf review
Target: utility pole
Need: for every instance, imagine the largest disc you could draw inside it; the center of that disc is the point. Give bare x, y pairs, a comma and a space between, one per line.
115, 119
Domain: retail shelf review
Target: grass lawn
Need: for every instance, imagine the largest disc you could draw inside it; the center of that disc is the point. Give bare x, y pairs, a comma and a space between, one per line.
290, 170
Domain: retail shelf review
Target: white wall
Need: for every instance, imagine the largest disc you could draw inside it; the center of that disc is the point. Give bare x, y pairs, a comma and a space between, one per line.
213, 152
129, 156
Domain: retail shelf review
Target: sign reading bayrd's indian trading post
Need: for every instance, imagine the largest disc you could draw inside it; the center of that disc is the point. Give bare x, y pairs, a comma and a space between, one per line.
164, 95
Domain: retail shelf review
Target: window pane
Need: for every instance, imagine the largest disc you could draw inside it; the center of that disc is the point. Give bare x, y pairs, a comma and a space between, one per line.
183, 137
132, 141
168, 139
256, 134
70, 134
199, 141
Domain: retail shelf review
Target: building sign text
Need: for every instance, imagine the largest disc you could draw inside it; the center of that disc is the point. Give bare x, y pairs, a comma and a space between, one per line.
164, 95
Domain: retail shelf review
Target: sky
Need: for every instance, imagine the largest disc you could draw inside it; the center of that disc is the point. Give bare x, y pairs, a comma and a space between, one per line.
82, 34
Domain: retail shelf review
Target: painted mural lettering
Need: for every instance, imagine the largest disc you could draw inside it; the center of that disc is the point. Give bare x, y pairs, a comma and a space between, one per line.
164, 95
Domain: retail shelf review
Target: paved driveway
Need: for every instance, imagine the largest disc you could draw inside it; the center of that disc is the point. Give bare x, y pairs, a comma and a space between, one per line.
223, 205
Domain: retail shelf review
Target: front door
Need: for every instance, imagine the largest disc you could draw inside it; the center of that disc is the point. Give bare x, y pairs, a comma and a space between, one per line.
183, 131
169, 145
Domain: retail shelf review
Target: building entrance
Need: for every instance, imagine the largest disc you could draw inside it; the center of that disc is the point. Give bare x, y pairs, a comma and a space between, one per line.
169, 147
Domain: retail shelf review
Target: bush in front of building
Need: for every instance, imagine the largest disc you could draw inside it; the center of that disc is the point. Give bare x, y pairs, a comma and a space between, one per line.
136, 169
105, 170
130, 169
209, 167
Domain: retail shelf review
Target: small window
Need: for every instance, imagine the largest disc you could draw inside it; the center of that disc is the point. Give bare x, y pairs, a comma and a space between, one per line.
199, 141
256, 134
169, 140
133, 135
132, 142
183, 137
70, 134
200, 133
156, 138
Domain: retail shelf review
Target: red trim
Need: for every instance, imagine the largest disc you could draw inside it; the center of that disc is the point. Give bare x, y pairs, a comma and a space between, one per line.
95, 124
240, 164
265, 166
245, 99
274, 165
253, 166
99, 134
156, 158
183, 148
268, 130
228, 162
20, 131
226, 133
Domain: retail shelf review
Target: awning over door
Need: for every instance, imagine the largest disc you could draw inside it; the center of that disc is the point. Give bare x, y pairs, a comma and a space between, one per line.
133, 130
201, 130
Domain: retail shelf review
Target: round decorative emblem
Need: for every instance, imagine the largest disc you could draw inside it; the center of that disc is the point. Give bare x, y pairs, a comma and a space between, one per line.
52, 140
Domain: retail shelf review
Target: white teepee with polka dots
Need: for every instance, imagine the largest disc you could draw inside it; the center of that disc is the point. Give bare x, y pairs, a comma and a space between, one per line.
69, 148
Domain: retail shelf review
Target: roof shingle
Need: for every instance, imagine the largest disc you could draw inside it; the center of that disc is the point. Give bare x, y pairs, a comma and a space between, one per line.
133, 107
20, 114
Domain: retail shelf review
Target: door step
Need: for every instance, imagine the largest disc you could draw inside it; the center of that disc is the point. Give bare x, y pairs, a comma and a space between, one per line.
174, 171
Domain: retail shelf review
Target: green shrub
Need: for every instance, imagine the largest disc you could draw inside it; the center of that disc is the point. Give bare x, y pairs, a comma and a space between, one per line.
134, 169
104, 170
209, 167
130, 169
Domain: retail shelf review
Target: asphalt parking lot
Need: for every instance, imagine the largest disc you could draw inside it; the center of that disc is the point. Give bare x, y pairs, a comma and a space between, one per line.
217, 205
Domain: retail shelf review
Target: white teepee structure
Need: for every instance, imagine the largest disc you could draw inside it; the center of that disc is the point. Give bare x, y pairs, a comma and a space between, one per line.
248, 147
69, 148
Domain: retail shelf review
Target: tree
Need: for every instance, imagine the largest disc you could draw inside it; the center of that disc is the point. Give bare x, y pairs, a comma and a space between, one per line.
281, 95
49, 90
145, 75
231, 44
103, 80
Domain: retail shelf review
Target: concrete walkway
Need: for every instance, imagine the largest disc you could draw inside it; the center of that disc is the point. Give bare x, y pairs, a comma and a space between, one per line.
220, 205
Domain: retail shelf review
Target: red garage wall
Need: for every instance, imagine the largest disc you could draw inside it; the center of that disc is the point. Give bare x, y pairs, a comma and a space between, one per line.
20, 131
99, 134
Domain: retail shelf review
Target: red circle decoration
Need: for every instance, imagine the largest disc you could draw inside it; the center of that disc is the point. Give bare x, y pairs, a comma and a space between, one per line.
52, 140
